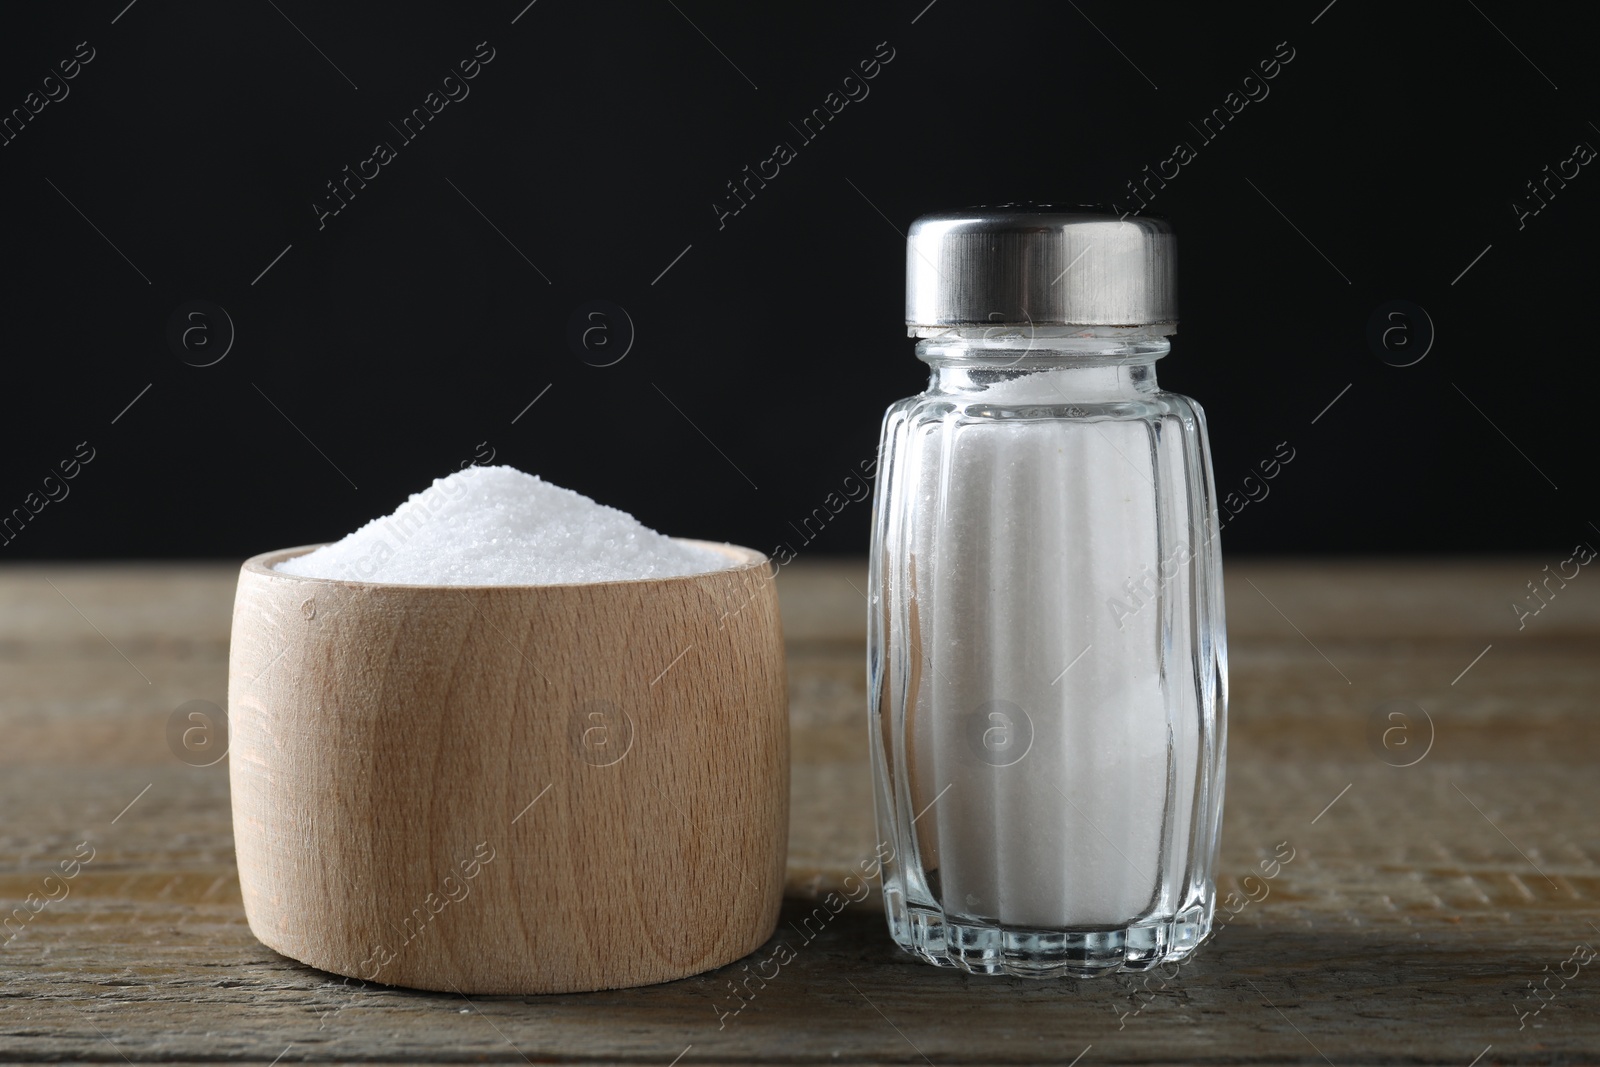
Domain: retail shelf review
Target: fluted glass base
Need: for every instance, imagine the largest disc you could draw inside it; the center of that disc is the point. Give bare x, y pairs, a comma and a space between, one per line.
980, 948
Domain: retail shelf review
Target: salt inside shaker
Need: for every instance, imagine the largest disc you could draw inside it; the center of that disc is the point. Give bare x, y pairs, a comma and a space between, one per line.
1047, 665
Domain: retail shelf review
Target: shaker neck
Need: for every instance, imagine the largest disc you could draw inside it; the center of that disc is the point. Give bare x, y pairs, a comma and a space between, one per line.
1090, 363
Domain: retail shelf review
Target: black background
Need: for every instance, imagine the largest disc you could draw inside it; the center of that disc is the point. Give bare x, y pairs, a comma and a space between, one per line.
380, 350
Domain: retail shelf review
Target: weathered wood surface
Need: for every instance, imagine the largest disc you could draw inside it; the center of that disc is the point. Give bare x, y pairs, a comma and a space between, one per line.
1418, 908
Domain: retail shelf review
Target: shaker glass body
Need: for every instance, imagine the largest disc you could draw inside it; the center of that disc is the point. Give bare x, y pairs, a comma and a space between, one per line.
1047, 663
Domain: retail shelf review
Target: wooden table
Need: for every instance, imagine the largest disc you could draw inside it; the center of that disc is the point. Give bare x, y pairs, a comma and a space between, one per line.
1421, 902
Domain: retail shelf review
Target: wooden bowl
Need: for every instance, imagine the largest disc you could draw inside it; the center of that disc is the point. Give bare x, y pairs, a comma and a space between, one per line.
510, 789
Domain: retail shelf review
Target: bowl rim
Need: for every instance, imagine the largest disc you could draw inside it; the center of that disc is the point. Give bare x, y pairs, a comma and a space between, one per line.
744, 559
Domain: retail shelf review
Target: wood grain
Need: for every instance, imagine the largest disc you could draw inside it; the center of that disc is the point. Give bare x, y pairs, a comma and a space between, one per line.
536, 789
1417, 909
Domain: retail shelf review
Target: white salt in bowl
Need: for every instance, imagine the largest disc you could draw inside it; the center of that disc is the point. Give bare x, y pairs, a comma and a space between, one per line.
510, 789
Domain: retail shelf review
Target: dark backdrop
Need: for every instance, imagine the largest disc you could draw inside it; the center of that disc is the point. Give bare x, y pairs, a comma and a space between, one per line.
181, 176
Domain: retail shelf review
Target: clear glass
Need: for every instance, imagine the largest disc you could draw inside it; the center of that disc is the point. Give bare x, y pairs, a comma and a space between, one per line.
1047, 663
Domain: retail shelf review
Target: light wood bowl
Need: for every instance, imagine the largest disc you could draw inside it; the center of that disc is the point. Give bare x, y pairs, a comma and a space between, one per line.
510, 789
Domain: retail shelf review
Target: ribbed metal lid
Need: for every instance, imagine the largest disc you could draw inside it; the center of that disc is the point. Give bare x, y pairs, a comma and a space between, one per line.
1040, 265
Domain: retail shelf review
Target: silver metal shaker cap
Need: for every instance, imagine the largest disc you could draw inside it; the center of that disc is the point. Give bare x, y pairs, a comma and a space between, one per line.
1040, 265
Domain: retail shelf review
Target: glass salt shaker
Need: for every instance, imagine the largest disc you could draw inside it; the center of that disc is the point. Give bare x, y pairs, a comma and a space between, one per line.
1047, 664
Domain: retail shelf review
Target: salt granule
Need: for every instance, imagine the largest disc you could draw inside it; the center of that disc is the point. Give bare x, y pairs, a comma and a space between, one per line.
499, 526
